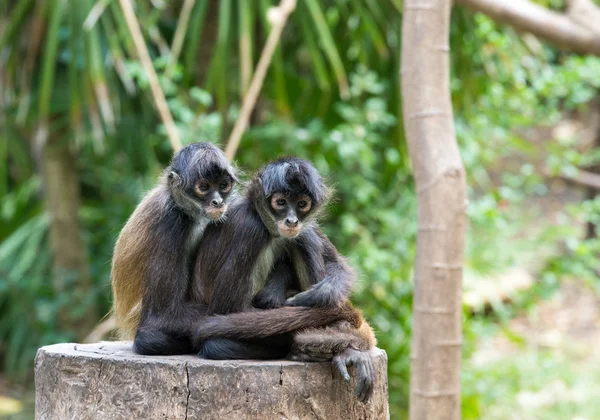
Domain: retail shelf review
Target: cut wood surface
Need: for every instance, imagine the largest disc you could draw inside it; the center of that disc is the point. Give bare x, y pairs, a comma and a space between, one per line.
108, 381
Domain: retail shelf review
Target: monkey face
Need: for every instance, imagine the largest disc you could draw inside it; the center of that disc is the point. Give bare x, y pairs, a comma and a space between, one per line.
212, 194
289, 211
200, 180
291, 192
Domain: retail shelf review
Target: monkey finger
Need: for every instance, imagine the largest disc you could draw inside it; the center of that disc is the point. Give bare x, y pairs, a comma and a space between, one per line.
340, 363
297, 300
364, 372
308, 298
364, 387
364, 390
290, 302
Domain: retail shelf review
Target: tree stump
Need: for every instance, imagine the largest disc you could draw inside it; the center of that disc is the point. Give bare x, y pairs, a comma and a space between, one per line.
108, 381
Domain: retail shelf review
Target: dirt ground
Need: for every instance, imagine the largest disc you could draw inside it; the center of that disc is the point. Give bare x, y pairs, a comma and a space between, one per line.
544, 364
570, 321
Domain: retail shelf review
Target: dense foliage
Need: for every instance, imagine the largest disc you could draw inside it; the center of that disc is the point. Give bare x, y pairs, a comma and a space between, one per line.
332, 96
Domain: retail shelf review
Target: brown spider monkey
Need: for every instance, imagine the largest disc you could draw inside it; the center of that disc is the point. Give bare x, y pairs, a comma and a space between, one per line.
153, 257
154, 252
280, 248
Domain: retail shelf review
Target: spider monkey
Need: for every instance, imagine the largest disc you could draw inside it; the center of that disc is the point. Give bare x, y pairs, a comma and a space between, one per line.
152, 258
280, 248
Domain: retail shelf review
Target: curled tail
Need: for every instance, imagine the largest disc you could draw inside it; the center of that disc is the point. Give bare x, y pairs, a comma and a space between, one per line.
266, 323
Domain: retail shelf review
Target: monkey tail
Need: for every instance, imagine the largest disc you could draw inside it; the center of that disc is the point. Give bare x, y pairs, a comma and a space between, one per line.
269, 322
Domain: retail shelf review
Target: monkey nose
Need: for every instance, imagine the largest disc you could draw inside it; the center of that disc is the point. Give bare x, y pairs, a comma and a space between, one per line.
291, 222
217, 202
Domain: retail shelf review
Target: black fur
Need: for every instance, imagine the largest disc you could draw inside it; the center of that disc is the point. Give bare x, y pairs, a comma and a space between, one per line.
201, 160
293, 175
151, 341
227, 349
166, 305
252, 226
282, 279
226, 255
331, 277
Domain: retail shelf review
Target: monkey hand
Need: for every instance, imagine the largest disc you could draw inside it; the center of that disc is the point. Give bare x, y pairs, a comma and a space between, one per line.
364, 371
321, 294
266, 300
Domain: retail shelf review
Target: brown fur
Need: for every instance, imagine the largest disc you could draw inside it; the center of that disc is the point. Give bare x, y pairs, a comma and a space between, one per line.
324, 343
131, 253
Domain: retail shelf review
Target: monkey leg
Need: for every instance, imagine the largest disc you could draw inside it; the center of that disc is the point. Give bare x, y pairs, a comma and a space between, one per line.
345, 346
156, 342
324, 343
276, 347
168, 332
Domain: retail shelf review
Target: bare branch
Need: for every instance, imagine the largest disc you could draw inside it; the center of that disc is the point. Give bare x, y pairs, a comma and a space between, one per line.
144, 56
278, 17
585, 178
182, 25
585, 13
558, 29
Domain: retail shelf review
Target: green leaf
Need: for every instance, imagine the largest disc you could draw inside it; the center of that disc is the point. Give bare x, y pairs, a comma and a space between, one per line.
329, 47
56, 9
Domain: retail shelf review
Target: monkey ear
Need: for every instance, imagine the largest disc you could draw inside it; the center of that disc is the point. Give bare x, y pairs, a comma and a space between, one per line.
262, 185
174, 178
233, 173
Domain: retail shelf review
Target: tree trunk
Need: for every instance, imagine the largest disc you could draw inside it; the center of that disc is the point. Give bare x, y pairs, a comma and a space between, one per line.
107, 381
70, 269
441, 192
591, 192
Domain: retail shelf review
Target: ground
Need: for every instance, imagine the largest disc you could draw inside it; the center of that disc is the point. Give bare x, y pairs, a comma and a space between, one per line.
544, 364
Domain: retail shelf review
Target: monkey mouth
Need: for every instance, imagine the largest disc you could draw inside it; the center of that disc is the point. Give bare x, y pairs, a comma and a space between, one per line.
216, 213
289, 233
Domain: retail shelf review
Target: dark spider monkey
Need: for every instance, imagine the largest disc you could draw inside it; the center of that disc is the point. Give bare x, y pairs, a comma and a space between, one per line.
280, 248
153, 256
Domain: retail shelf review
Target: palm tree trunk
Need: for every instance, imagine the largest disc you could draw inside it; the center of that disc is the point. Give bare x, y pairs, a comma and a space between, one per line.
70, 267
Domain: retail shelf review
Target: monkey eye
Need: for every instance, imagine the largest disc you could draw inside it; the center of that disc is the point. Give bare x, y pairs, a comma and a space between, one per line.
224, 186
280, 202
304, 205
203, 186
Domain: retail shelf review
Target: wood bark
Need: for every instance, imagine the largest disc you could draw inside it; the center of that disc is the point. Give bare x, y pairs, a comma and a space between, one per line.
107, 381
441, 193
70, 266
569, 32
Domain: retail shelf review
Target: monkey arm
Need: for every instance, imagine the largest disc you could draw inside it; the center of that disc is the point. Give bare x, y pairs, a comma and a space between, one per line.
335, 286
280, 280
166, 280
164, 326
238, 245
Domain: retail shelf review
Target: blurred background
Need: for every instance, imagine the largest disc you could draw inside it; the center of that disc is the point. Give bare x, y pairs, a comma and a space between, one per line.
80, 138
